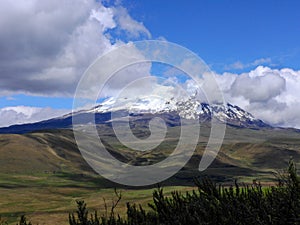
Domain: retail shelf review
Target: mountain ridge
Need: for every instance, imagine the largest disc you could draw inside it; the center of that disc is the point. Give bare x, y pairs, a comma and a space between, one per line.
189, 109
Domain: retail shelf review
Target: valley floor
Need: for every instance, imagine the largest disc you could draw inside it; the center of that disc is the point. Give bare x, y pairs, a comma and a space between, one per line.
47, 199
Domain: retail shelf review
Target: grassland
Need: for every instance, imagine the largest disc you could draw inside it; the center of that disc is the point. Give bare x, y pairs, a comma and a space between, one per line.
43, 173
48, 198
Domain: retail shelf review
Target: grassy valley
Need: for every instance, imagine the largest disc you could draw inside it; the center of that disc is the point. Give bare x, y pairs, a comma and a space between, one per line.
42, 173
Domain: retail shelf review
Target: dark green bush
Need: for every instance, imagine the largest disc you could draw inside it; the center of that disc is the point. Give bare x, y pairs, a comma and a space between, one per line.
212, 204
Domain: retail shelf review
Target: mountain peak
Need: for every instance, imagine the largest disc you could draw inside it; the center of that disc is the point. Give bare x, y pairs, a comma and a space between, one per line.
189, 109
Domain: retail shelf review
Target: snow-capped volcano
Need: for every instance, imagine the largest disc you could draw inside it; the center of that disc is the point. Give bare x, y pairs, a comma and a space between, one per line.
188, 109
143, 108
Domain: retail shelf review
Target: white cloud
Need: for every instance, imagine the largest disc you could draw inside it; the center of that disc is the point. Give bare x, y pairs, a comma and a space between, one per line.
238, 65
104, 16
261, 61
26, 114
132, 27
45, 46
269, 94
259, 88
133, 78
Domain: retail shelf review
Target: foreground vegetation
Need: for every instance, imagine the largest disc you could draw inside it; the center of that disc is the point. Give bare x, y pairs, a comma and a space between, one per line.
210, 204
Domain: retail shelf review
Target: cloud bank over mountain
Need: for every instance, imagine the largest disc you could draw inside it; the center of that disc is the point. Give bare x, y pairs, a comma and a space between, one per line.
269, 94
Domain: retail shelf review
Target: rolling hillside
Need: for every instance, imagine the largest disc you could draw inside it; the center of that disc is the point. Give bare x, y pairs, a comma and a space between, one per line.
244, 153
42, 173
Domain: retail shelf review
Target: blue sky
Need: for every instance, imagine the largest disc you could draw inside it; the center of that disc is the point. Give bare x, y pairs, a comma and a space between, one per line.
42, 57
227, 31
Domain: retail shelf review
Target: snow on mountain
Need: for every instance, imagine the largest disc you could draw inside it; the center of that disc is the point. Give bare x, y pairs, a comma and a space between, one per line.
189, 108
143, 108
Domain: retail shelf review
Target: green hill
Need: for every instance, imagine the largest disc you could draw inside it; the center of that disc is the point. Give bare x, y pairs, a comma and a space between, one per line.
44, 173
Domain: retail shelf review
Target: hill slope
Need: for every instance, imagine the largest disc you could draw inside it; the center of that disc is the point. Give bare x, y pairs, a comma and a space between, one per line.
244, 153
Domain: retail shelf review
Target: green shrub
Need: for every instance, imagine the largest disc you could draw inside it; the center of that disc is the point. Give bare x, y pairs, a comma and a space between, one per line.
212, 204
